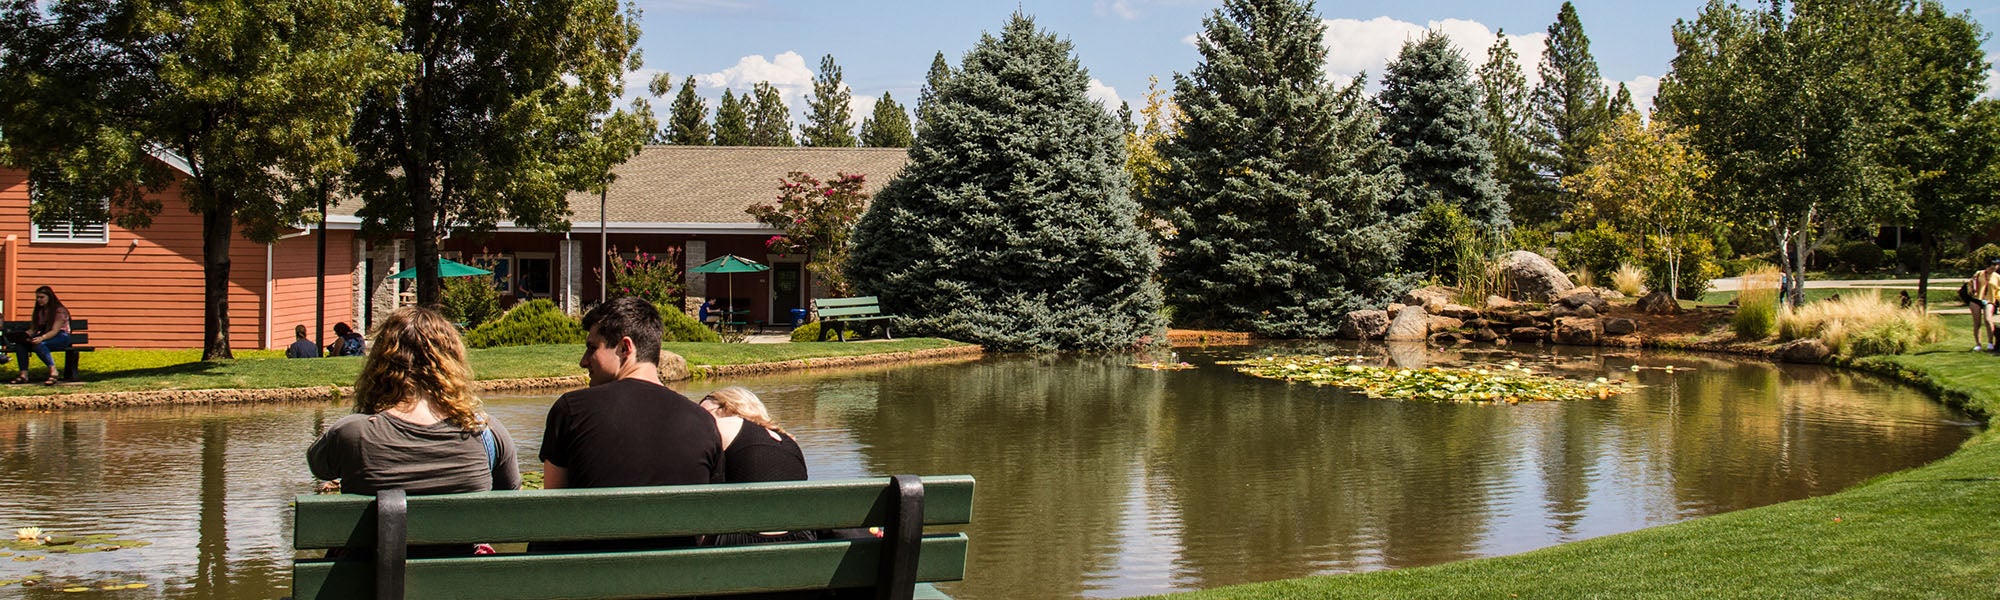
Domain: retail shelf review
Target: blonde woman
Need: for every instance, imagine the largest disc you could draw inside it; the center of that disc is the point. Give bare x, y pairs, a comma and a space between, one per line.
754, 447
417, 427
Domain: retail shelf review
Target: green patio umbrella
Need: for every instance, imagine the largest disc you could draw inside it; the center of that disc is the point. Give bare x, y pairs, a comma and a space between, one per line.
446, 268
730, 264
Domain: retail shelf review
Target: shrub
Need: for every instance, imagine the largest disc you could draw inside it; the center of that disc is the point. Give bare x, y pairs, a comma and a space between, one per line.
808, 332
1861, 325
528, 323
1629, 280
657, 279
1698, 266
1441, 234
471, 301
1756, 315
1599, 249
1978, 259
678, 326
1862, 256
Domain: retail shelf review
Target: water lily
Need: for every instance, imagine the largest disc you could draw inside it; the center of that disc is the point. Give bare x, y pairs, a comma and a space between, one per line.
28, 534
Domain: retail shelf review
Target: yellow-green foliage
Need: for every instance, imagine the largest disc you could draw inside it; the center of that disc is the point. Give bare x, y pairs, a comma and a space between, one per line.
678, 326
529, 323
1629, 280
1757, 304
1861, 324
1584, 278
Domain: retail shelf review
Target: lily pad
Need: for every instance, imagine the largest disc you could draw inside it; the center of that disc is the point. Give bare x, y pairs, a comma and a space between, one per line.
1509, 383
28, 558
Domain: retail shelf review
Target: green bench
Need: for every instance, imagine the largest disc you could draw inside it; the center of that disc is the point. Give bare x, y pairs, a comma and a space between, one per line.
837, 313
899, 565
79, 341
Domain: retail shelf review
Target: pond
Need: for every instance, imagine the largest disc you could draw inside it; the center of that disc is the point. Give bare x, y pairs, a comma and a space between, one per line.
1096, 479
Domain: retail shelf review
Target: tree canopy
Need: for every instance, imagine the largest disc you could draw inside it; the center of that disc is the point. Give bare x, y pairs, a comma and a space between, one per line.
770, 117
829, 120
1432, 116
687, 123
888, 126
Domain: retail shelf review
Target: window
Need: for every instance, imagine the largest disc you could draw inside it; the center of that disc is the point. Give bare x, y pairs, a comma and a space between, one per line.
73, 233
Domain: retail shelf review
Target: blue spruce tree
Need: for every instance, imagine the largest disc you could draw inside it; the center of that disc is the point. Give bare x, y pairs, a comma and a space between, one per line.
1012, 226
1277, 188
1432, 116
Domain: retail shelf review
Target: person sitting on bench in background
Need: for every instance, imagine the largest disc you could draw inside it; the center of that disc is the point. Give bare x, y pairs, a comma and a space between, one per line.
347, 342
301, 347
48, 330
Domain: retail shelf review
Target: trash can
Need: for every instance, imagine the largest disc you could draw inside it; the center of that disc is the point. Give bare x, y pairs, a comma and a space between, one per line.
798, 317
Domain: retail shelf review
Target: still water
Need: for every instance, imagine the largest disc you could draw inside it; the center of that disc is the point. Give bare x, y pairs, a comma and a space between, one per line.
1096, 479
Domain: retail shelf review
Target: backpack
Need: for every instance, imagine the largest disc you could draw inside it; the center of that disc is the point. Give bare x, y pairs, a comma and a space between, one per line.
351, 346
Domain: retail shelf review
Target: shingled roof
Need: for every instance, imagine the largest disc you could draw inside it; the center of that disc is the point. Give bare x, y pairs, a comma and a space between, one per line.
714, 184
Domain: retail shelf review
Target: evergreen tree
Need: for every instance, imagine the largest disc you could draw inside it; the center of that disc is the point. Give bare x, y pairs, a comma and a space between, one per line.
888, 127
1125, 118
1011, 226
1622, 103
829, 119
688, 123
770, 117
939, 73
1569, 111
1277, 184
1503, 94
732, 120
1431, 115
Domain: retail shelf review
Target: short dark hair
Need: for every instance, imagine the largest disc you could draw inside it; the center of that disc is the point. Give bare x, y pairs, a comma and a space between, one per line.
299, 331
627, 317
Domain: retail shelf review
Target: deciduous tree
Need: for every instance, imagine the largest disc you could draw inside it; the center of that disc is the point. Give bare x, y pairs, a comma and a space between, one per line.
1012, 226
816, 219
1647, 179
92, 92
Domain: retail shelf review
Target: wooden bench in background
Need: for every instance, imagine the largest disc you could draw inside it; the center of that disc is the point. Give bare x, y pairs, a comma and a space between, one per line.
899, 565
837, 313
79, 341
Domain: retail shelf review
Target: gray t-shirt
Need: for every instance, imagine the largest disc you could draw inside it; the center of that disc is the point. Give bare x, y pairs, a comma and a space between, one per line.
381, 452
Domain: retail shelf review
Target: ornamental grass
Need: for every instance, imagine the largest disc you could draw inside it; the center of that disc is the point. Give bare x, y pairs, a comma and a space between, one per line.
1861, 324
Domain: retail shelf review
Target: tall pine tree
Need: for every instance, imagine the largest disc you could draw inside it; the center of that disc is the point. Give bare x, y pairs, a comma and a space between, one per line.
888, 126
1011, 226
940, 72
1503, 94
687, 124
732, 120
829, 119
770, 117
1277, 185
1570, 111
1431, 115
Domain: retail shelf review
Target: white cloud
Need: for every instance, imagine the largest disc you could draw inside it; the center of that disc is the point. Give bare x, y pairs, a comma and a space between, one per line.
1104, 94
1122, 8
787, 72
1992, 84
1354, 46
859, 108
1192, 39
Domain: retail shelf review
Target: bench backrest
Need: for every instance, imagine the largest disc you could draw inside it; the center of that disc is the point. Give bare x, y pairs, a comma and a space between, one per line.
637, 513
826, 303
861, 306
77, 327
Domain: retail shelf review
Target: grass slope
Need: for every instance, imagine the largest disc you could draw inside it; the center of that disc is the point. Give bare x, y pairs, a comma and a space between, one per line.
113, 370
1929, 532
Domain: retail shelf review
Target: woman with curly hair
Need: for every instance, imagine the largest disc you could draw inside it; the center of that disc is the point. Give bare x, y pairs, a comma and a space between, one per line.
417, 427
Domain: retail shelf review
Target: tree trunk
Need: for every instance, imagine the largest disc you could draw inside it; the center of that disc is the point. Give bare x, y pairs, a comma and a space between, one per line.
1924, 272
216, 225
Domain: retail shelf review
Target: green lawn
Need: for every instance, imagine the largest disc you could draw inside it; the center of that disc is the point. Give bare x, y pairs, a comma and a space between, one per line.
113, 370
1929, 532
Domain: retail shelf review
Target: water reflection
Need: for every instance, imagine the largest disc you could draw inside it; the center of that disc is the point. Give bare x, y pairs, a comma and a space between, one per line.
1096, 479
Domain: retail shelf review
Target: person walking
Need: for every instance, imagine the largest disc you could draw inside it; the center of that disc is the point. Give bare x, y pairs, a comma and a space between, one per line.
1984, 289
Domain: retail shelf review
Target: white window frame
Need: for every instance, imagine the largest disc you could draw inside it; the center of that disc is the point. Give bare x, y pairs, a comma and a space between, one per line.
65, 233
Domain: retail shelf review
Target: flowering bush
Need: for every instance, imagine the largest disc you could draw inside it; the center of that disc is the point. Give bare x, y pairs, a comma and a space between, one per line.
816, 219
655, 278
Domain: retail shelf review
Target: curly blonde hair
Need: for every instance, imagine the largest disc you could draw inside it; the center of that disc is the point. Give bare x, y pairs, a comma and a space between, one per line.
416, 354
739, 401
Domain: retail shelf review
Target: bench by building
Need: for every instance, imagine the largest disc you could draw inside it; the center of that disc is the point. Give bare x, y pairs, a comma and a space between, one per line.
837, 313
79, 341
901, 564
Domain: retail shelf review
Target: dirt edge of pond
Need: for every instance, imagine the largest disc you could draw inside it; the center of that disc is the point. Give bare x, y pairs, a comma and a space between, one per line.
331, 393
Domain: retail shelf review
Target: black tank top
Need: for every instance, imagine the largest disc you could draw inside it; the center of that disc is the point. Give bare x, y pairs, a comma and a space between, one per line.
754, 456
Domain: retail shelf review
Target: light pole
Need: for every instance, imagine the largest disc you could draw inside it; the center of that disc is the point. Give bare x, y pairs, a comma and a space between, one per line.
603, 244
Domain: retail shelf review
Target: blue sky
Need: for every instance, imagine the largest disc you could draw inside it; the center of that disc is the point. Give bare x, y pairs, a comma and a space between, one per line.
885, 45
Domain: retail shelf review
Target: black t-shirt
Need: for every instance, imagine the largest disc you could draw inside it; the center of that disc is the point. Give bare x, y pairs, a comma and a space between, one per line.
632, 432
754, 456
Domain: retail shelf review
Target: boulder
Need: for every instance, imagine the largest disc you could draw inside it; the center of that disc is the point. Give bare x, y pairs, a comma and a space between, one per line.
1363, 325
1424, 295
1620, 341
1500, 303
1395, 307
1459, 311
1620, 326
1534, 278
1610, 294
1444, 323
1527, 334
1521, 320
1808, 350
1411, 324
1658, 303
1485, 334
1447, 338
673, 367
1576, 331
1564, 310
1581, 297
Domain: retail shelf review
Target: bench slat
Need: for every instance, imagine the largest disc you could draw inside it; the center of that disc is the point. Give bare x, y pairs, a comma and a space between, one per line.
645, 574
625, 513
840, 302
828, 313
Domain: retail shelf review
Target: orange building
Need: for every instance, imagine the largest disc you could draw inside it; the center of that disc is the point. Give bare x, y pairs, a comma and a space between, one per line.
142, 288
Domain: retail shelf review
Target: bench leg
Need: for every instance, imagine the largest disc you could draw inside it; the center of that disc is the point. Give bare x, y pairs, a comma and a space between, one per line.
69, 365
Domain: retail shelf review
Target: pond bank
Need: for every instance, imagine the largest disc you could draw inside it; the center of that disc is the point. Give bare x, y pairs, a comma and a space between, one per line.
1930, 531
727, 366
